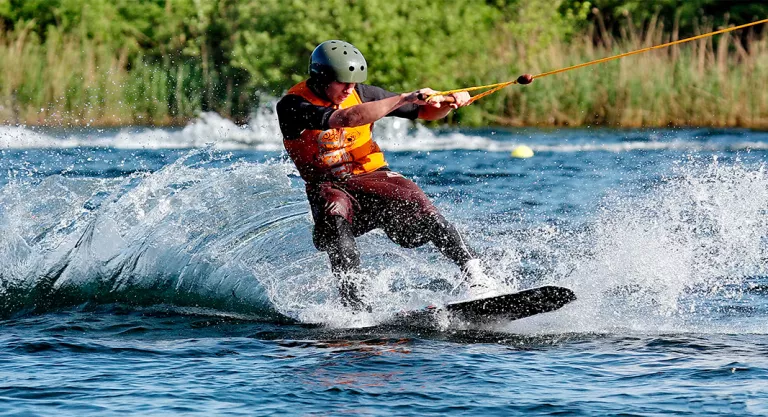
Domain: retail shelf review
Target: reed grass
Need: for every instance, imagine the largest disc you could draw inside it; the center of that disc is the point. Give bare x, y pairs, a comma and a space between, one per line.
67, 81
717, 82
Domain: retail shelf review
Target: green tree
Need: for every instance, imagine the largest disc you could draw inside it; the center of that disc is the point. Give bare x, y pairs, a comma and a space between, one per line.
408, 43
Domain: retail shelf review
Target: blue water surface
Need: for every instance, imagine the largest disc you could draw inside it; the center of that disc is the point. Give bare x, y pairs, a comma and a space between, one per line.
182, 280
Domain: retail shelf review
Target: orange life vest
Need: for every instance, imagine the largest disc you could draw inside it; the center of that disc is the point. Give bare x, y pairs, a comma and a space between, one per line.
334, 153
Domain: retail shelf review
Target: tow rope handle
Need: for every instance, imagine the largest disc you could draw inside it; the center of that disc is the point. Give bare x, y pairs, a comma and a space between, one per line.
446, 98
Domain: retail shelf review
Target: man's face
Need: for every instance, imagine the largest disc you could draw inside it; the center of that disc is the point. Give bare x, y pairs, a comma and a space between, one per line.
338, 92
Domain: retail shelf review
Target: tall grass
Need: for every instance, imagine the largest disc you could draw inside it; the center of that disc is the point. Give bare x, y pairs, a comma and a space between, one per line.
720, 81
69, 81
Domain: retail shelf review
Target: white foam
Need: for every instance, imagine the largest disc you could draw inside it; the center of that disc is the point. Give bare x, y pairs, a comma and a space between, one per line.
654, 260
262, 133
19, 137
666, 260
183, 235
210, 129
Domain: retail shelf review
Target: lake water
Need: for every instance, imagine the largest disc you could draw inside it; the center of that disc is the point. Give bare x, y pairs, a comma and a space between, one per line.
169, 271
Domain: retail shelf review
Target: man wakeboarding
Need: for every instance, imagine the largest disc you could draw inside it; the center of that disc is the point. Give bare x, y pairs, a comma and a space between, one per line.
327, 123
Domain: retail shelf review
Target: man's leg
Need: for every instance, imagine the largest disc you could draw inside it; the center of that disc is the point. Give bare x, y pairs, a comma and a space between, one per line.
333, 211
431, 227
336, 237
410, 219
447, 239
406, 214
435, 228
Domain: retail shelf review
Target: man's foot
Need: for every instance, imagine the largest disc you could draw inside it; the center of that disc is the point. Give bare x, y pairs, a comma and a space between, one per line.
479, 285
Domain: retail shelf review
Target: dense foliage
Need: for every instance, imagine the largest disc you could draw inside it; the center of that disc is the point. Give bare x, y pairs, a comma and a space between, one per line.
164, 61
688, 13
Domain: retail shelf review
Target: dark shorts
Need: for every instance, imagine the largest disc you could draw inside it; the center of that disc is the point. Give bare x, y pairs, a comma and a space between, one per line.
376, 200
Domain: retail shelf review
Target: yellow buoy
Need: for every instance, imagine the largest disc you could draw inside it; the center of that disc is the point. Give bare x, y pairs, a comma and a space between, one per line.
522, 152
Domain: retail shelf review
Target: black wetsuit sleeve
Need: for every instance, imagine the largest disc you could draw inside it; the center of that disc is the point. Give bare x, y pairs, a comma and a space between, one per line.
372, 93
295, 114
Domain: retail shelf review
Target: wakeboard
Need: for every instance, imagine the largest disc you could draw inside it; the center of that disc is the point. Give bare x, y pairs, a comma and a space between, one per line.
505, 307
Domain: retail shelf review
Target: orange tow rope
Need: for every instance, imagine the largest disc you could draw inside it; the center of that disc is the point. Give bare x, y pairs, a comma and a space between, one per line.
496, 87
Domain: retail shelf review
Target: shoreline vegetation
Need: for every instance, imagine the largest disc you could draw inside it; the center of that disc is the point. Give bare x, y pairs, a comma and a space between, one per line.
97, 66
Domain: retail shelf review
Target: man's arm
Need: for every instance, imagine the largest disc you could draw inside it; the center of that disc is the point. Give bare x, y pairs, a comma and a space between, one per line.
433, 113
296, 114
379, 103
366, 113
437, 108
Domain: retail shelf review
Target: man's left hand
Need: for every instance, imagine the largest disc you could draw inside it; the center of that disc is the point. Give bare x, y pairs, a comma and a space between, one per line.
460, 99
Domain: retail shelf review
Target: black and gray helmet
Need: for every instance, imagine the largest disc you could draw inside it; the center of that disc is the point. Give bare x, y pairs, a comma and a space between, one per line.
338, 61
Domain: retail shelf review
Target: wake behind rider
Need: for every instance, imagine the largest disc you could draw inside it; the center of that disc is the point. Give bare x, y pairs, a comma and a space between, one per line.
327, 122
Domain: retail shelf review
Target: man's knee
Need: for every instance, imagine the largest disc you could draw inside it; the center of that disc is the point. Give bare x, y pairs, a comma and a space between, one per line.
334, 235
330, 201
412, 234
